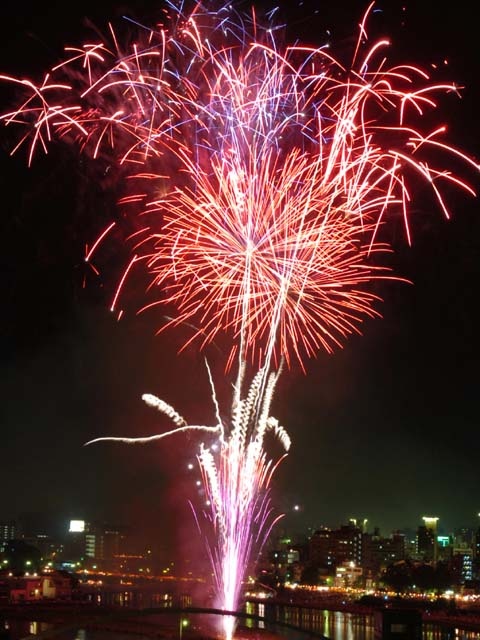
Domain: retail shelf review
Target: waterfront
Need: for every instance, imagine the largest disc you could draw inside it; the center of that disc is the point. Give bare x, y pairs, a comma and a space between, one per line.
182, 609
335, 625
340, 625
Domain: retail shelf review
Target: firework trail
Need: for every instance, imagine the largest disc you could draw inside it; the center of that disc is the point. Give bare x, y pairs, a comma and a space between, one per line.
265, 173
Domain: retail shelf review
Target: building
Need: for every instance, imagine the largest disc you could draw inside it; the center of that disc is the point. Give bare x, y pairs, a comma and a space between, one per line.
427, 549
378, 552
283, 562
25, 589
8, 531
464, 537
57, 585
322, 549
462, 565
476, 554
329, 548
75, 543
444, 548
348, 574
95, 545
105, 545
29, 588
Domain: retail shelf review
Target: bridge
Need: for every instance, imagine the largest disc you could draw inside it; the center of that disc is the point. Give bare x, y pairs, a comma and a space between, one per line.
128, 620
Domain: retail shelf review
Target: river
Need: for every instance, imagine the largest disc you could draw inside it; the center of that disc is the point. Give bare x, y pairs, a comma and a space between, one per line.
335, 625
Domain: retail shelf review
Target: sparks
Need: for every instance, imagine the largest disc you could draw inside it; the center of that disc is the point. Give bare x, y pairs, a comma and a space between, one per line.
265, 175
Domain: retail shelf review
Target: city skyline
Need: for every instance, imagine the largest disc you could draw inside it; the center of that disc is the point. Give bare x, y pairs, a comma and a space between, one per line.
384, 427
32, 524
315, 555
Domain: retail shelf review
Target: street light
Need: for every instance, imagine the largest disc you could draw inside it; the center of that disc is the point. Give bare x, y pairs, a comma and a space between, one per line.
182, 625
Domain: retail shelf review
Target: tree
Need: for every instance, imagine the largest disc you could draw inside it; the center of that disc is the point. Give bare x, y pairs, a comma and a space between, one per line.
19, 557
399, 575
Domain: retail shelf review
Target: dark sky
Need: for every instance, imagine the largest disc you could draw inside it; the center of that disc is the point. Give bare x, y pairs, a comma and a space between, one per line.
386, 428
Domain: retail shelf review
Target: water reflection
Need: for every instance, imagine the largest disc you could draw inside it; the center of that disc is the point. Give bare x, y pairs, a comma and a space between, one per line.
435, 632
337, 625
334, 625
137, 599
261, 612
11, 629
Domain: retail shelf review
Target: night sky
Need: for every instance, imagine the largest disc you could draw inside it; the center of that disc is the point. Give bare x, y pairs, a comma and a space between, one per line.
386, 428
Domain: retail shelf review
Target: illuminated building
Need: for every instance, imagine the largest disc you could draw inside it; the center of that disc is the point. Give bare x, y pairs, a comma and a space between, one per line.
378, 552
8, 531
284, 561
444, 548
95, 543
427, 548
360, 524
321, 548
476, 553
462, 565
348, 574
330, 548
105, 544
463, 555
74, 549
464, 538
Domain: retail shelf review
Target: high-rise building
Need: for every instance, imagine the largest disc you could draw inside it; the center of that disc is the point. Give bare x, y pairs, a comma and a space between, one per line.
8, 530
427, 548
444, 548
105, 543
322, 548
379, 552
359, 523
329, 548
75, 541
476, 553
462, 565
97, 543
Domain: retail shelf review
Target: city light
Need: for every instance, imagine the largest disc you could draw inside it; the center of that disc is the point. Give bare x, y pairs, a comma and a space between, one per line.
265, 175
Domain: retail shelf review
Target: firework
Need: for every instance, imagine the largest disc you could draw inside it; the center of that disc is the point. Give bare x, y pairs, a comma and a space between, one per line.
265, 173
